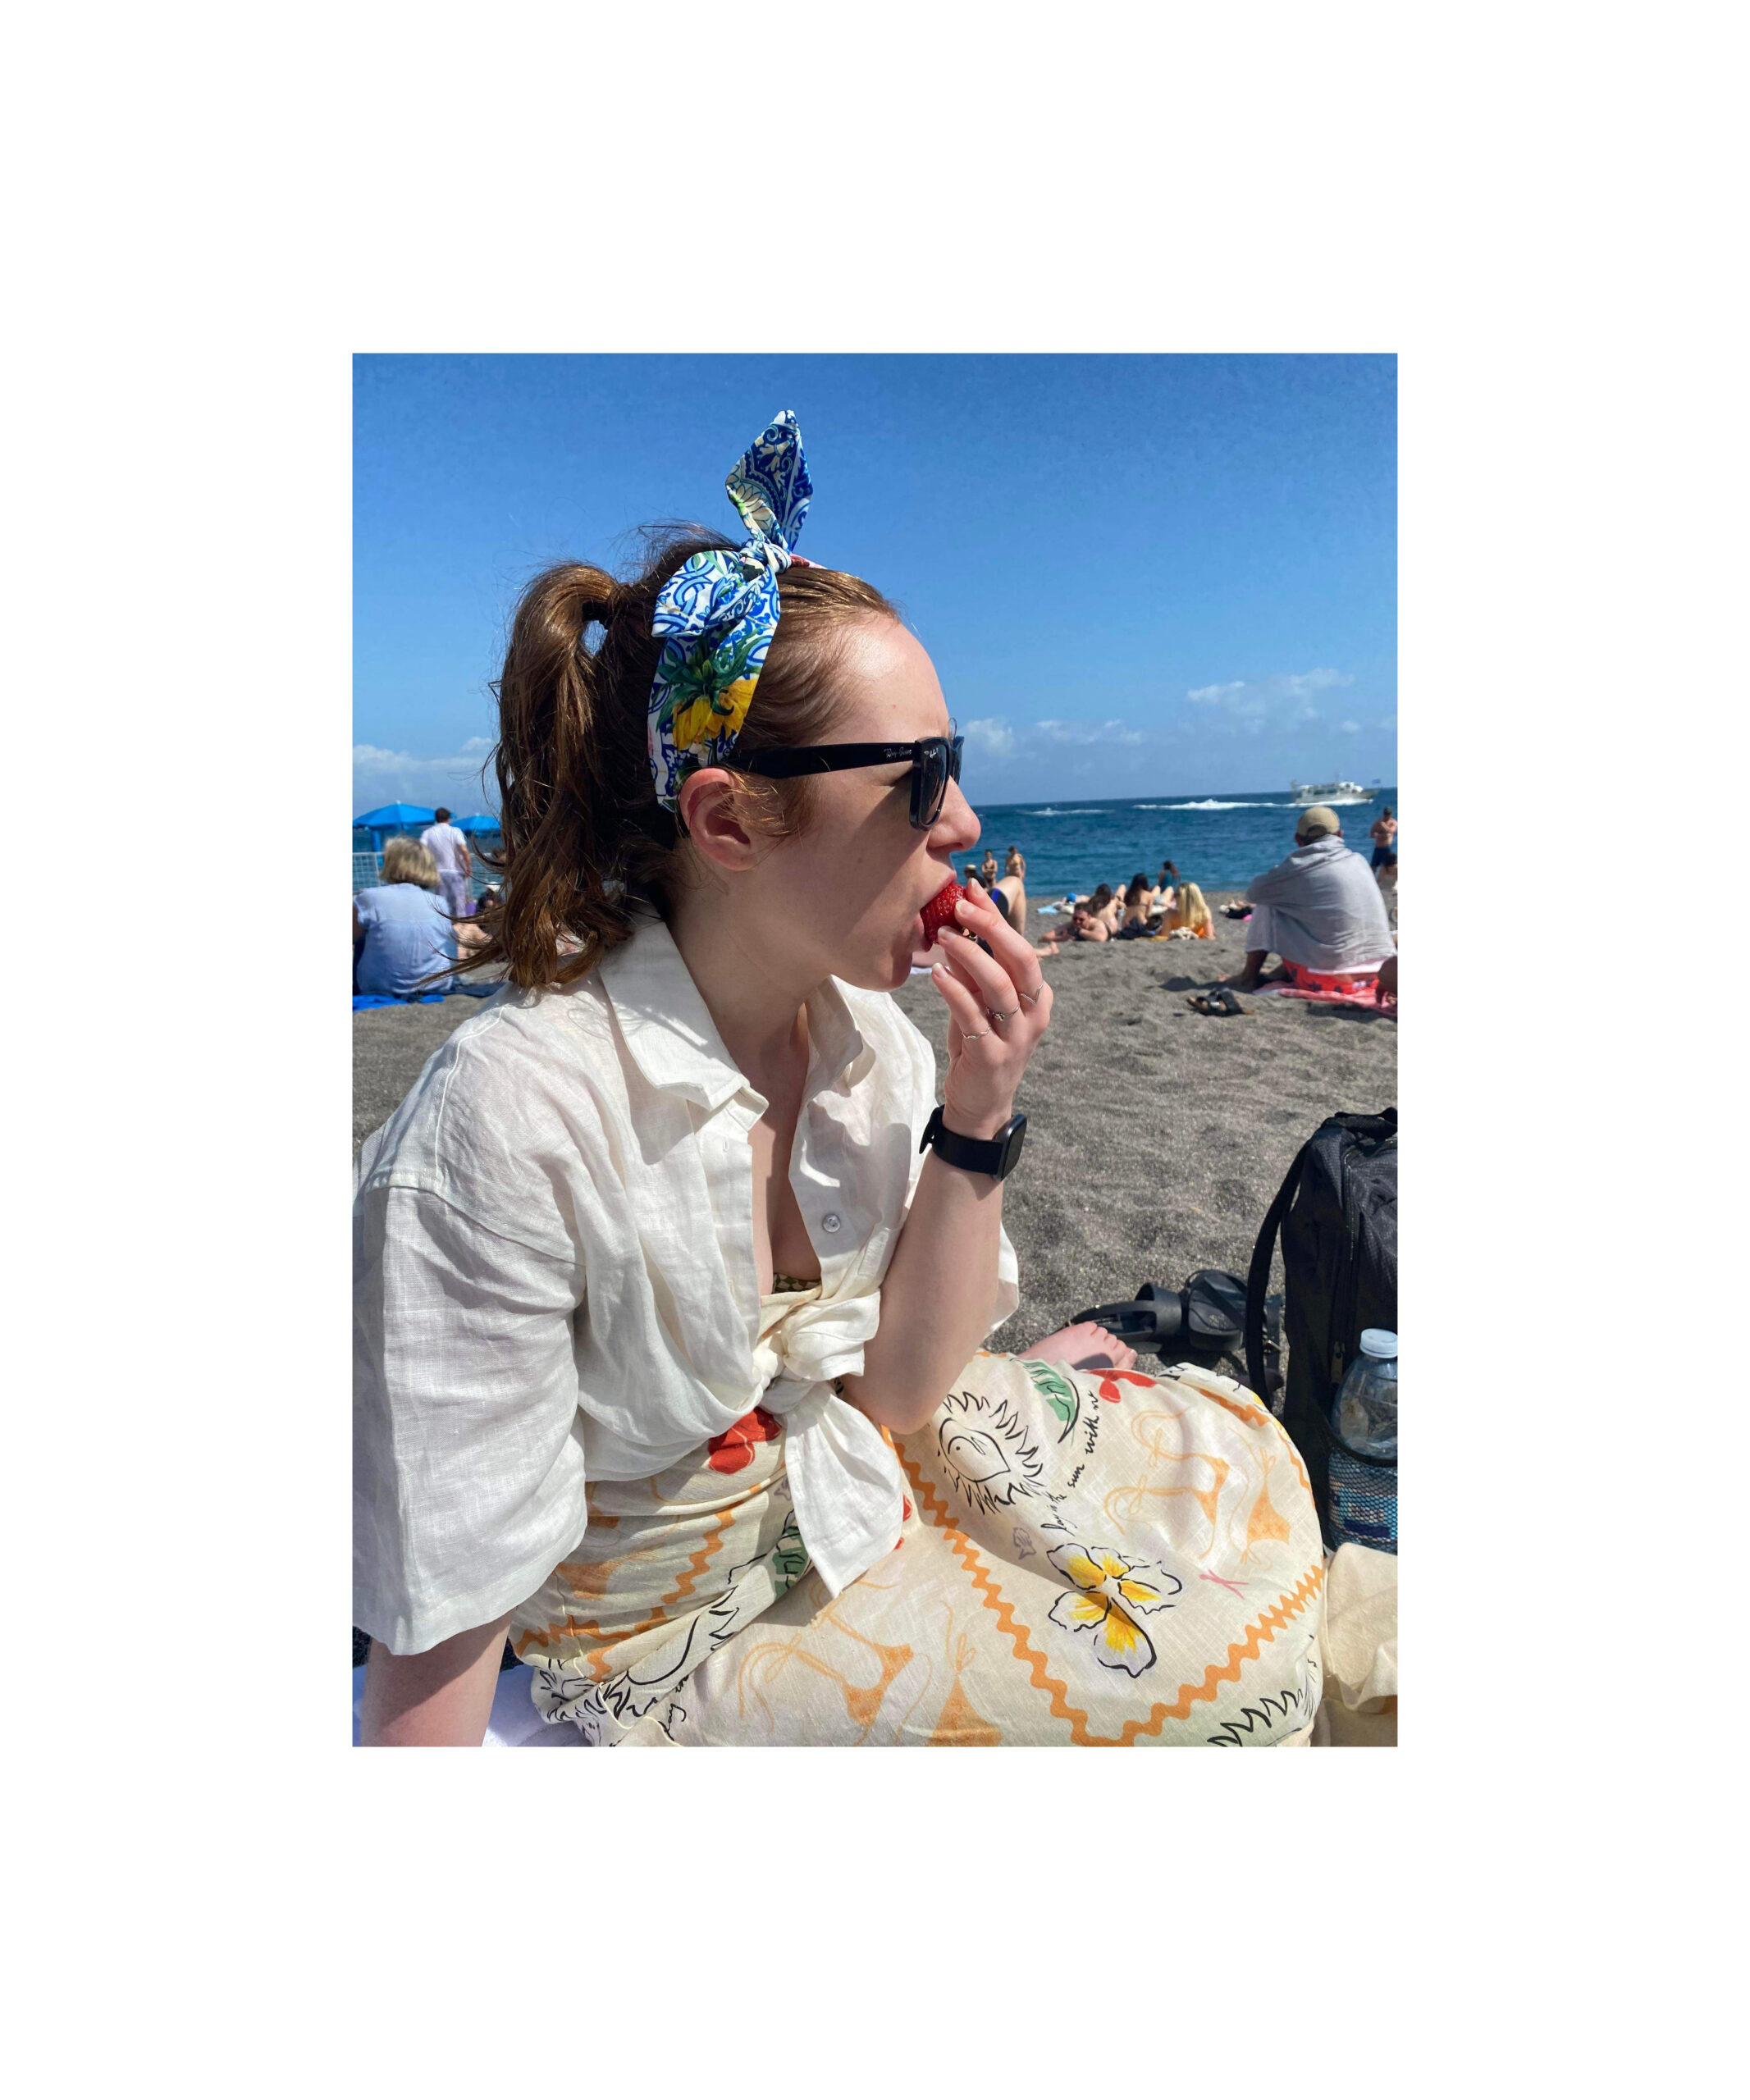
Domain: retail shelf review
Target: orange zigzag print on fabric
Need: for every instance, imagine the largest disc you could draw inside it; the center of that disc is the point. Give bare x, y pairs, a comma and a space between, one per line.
550, 1637
1245, 1650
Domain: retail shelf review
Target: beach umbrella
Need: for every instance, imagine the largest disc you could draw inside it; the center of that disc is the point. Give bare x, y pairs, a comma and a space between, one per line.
481, 824
394, 816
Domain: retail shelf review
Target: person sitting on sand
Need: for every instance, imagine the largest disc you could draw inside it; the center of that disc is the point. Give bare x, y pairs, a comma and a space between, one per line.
1133, 923
1103, 907
1189, 914
1385, 874
674, 1283
1319, 910
401, 933
1013, 891
1383, 833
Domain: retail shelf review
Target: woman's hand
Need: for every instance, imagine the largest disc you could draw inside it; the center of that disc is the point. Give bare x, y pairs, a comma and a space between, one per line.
999, 1006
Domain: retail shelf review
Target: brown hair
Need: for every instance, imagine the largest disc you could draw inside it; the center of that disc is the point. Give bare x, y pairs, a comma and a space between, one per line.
408, 861
583, 832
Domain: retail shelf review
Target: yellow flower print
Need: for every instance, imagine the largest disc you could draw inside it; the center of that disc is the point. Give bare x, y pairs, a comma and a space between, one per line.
713, 715
1108, 1592
733, 704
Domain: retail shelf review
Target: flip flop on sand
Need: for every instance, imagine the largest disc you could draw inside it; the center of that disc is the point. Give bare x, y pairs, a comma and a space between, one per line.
1220, 1004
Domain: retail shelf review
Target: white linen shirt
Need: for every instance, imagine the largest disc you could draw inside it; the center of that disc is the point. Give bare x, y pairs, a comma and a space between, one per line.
556, 1280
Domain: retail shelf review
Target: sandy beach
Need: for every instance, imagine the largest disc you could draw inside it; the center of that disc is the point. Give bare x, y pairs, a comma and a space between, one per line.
1156, 1136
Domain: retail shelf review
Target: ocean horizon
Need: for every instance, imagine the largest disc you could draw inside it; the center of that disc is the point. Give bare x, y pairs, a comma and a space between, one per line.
1074, 843
1218, 841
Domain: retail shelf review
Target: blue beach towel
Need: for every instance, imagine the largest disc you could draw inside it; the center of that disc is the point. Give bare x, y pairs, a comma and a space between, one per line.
424, 998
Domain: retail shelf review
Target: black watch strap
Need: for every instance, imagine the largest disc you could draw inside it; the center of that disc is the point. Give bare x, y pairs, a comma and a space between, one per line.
995, 1156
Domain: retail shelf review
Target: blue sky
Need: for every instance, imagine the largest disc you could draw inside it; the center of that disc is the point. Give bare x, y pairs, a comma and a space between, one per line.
1137, 575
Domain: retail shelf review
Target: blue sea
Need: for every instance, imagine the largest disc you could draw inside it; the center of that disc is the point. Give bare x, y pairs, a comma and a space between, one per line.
1219, 842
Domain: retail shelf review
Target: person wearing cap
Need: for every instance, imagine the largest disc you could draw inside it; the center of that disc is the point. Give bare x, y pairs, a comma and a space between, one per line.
1320, 910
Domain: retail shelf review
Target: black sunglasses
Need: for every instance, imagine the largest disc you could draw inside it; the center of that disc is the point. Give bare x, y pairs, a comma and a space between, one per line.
934, 760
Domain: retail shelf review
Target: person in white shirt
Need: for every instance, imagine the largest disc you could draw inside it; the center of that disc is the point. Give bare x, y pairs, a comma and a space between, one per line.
672, 1278
448, 848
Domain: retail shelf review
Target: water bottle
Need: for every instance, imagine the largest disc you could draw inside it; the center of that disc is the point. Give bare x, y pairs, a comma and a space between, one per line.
1363, 1497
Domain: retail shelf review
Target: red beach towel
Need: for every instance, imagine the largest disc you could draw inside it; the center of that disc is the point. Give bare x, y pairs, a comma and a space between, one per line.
1330, 987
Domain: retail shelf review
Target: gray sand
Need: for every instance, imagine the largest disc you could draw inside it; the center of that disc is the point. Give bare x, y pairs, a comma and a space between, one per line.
1156, 1137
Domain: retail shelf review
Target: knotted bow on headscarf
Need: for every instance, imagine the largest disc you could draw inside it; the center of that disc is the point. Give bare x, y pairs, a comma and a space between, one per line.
717, 615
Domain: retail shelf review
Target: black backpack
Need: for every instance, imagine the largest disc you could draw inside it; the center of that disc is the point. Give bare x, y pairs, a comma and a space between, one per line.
1338, 1213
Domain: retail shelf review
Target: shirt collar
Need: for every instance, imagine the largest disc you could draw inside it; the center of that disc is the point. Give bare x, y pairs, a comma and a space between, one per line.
673, 1040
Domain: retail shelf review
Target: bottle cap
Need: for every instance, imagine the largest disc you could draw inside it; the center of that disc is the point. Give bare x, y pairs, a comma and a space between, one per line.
1379, 1341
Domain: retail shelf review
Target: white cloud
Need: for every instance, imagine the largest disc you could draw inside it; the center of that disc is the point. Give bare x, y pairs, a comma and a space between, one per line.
1112, 731
1255, 700
1298, 682
389, 776
990, 738
1350, 728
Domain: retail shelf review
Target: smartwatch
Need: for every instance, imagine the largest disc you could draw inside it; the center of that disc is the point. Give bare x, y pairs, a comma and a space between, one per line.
995, 1156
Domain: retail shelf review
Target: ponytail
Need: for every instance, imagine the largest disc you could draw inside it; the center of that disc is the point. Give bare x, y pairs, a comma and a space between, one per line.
584, 835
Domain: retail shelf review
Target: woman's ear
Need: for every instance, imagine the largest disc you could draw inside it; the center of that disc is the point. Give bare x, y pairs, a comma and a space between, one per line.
708, 809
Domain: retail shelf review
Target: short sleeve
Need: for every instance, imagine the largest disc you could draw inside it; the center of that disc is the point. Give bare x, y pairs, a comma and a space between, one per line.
467, 1458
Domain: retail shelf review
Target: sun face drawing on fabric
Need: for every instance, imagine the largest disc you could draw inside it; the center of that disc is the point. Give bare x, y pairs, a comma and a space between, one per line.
986, 1452
1110, 1594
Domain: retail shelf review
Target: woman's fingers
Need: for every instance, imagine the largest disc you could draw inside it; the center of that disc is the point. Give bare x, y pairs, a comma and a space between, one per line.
979, 973
966, 1009
981, 916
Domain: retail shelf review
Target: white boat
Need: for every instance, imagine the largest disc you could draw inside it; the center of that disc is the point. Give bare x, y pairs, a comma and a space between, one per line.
1334, 793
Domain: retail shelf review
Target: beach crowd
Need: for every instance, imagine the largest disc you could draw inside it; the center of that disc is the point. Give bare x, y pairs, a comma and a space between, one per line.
1328, 917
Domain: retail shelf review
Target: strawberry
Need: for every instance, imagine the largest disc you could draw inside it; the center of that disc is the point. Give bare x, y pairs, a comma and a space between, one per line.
940, 912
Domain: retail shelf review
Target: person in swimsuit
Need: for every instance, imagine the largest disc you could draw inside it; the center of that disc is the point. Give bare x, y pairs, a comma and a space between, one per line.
1383, 833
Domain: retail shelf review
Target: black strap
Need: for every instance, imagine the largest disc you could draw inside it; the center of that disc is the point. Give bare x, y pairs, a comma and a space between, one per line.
1258, 1278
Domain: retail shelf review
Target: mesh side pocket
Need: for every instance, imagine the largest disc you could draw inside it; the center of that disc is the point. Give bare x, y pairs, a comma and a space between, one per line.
1361, 1505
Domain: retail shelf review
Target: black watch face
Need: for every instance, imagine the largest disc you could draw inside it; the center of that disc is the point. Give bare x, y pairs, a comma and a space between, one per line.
1011, 1144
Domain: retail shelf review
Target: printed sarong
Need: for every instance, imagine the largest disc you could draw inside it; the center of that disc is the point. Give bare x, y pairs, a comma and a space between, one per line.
1086, 1558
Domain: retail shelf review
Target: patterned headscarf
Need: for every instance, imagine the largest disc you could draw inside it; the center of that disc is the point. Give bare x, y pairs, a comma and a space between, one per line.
717, 615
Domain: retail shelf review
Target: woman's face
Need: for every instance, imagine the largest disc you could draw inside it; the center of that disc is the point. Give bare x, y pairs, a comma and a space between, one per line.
846, 896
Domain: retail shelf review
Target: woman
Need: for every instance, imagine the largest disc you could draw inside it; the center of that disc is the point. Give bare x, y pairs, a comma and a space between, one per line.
1013, 889
1014, 863
987, 869
400, 935
1138, 899
1103, 907
659, 1299
1383, 833
1385, 874
1190, 915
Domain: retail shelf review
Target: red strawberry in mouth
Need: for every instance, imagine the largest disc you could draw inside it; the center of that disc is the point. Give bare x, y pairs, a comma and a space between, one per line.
940, 912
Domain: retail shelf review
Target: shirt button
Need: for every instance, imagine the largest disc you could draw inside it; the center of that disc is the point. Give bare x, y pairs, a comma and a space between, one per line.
831, 1223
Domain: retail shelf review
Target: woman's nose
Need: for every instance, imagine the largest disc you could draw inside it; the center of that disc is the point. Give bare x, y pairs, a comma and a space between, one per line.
956, 828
